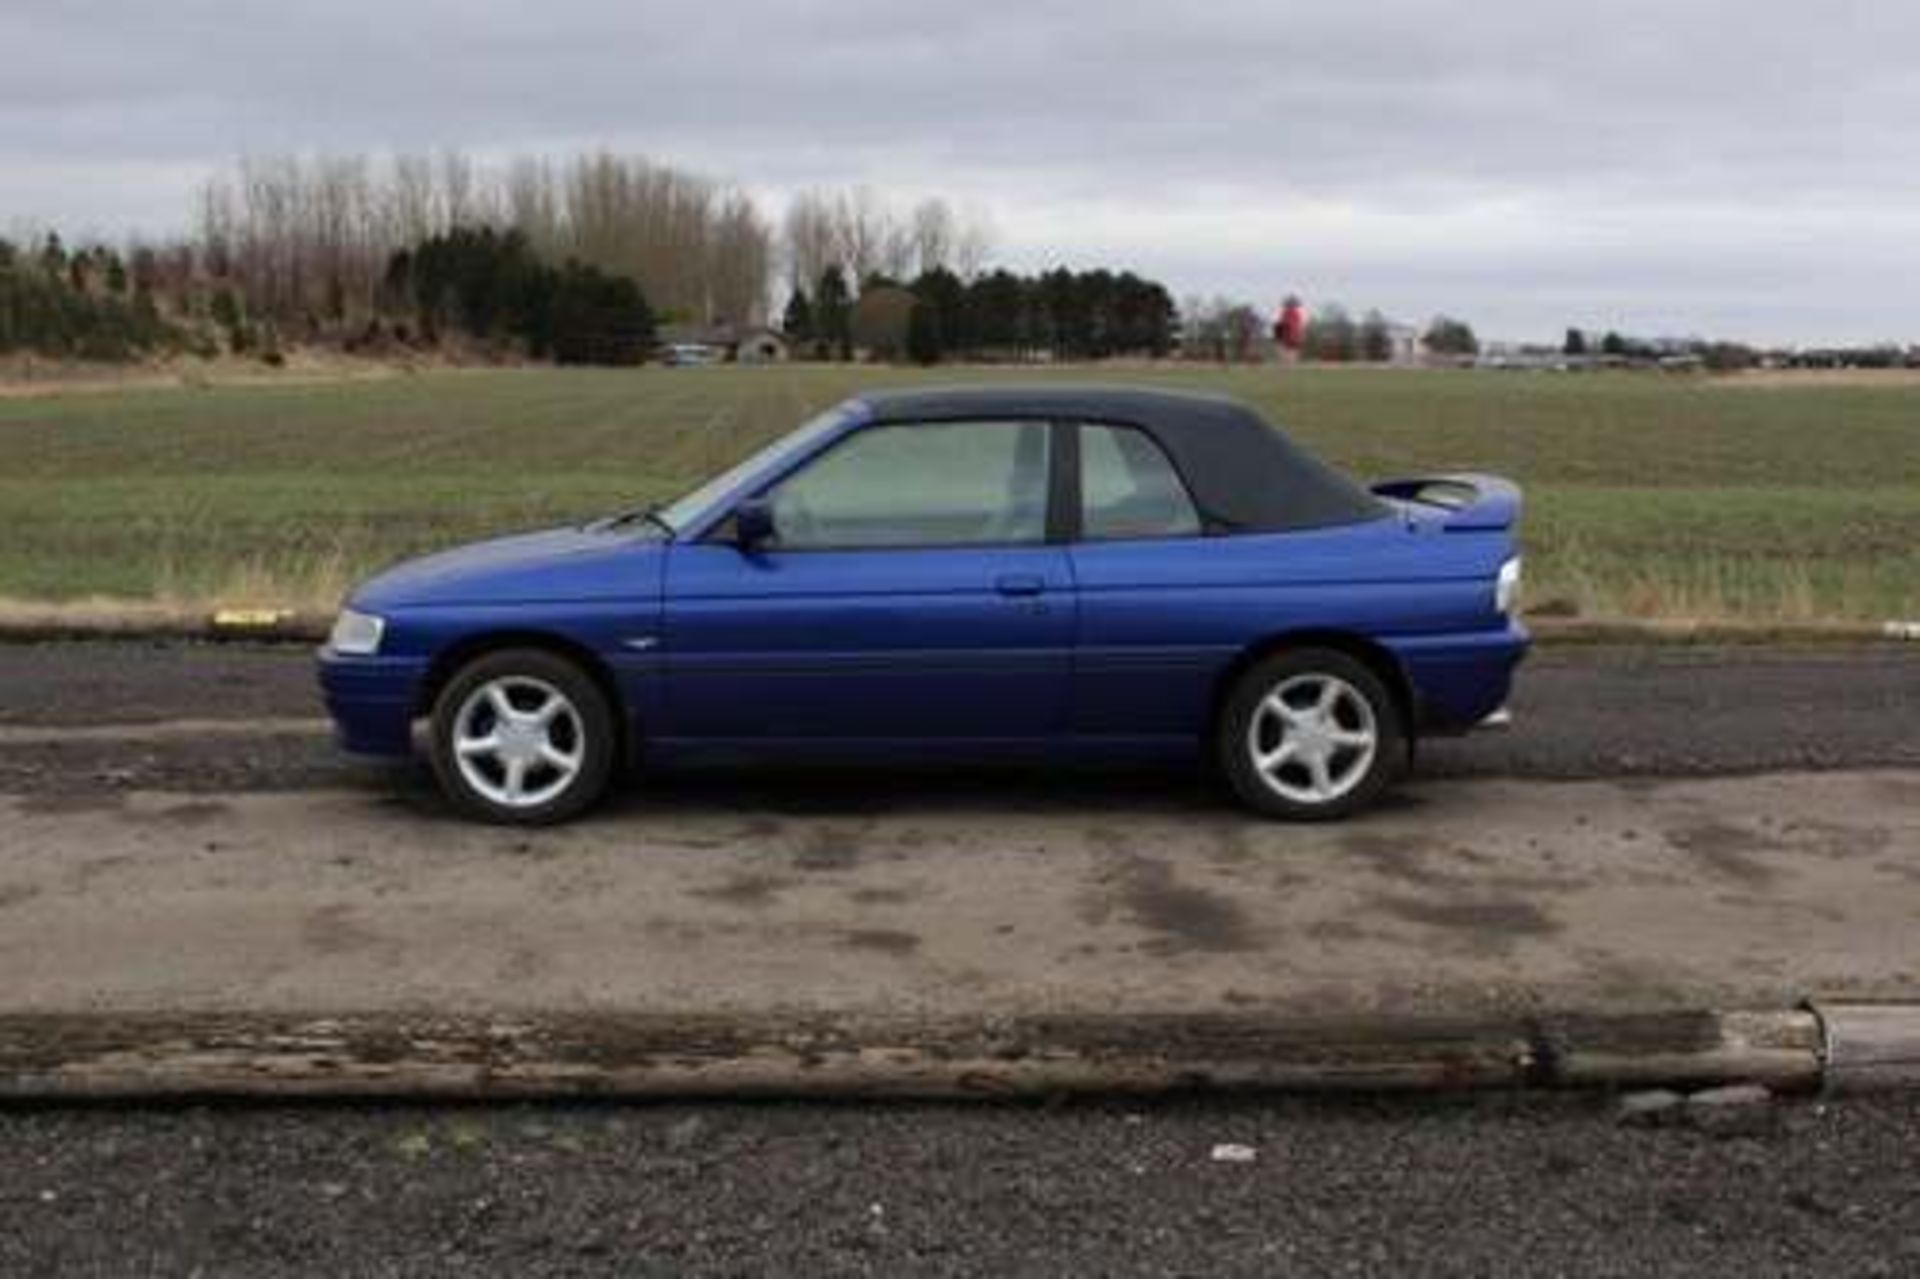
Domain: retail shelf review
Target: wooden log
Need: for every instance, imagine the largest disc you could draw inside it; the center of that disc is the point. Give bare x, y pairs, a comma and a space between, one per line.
1870, 1046
148, 1055
1686, 1049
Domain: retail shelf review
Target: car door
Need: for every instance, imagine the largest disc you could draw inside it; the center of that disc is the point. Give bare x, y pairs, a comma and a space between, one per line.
910, 593
1149, 644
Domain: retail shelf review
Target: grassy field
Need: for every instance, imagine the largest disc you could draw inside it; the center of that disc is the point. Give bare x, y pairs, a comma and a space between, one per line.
1648, 495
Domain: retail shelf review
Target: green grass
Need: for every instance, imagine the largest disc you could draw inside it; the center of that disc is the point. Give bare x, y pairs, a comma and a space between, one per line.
1647, 495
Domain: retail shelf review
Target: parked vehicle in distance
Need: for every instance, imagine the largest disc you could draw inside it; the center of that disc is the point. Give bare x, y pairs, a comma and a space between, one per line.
1023, 572
686, 355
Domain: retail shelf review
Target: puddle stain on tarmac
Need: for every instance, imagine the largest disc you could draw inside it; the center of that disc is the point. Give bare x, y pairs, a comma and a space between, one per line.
194, 812
1727, 850
331, 930
1408, 858
886, 941
63, 802
1183, 918
828, 848
1482, 925
880, 896
749, 890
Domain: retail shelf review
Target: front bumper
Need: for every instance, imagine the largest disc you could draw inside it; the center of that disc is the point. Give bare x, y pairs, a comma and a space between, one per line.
372, 700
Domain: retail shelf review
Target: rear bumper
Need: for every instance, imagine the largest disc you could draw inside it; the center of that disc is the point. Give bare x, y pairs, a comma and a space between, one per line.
1462, 678
372, 701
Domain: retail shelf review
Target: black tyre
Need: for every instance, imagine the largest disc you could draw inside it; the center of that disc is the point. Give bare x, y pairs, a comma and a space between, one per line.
1310, 734
523, 737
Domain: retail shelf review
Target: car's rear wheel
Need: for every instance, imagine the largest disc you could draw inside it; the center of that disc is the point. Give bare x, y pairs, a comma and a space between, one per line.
1310, 734
523, 736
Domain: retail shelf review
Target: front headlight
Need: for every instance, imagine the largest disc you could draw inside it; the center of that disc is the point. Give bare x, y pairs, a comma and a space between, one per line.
1506, 588
356, 634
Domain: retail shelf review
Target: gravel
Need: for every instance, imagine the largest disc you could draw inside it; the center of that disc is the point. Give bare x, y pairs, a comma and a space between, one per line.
1489, 1185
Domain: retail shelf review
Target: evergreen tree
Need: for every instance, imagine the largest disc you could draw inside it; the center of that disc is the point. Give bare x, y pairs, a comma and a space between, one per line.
833, 316
491, 286
1332, 335
1376, 338
1448, 336
1576, 343
881, 320
997, 304
797, 322
925, 344
599, 318
53, 256
944, 296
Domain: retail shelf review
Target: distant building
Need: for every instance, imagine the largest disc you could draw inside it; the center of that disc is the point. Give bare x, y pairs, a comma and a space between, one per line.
727, 343
1405, 345
762, 346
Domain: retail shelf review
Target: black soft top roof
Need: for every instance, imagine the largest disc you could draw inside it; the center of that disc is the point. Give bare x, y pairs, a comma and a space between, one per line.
1245, 475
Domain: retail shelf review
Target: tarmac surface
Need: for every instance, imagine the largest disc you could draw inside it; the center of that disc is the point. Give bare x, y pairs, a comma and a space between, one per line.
165, 716
1457, 897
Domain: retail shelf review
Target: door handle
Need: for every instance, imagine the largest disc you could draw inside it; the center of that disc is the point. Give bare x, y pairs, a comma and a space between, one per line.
1019, 584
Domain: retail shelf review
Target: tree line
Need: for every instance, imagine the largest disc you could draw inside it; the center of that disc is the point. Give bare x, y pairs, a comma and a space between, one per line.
941, 314
84, 304
304, 244
1232, 332
491, 286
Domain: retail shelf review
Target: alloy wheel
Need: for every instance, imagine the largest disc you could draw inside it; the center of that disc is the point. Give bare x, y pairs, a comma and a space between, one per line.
1312, 739
518, 741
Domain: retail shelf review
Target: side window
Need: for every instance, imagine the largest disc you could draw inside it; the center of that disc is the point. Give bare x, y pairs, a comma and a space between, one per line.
940, 484
1129, 489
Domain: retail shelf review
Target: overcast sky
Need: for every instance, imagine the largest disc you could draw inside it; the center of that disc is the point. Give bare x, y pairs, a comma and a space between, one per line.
1747, 168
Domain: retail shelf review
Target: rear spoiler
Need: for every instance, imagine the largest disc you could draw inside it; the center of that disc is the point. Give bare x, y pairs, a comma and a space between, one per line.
1475, 503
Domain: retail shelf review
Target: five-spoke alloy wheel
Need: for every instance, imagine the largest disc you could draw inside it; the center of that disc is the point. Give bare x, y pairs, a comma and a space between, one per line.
1310, 734
523, 736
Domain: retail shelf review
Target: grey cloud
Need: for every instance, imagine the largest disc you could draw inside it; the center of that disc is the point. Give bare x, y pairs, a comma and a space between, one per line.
1611, 140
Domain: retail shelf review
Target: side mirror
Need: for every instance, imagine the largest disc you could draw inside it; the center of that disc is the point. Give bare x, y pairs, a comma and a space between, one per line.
753, 523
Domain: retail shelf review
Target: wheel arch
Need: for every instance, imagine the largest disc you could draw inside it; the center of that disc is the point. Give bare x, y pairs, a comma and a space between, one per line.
447, 663
1374, 655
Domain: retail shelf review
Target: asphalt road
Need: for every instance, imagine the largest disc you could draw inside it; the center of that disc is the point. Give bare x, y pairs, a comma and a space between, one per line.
1493, 1185
1581, 713
1487, 1186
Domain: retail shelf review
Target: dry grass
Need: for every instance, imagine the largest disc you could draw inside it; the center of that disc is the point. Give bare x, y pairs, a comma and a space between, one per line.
310, 584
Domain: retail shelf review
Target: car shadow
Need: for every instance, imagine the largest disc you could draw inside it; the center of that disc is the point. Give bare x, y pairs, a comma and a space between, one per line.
1177, 792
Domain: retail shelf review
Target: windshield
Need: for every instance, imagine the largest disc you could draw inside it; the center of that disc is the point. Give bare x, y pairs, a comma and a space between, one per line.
684, 510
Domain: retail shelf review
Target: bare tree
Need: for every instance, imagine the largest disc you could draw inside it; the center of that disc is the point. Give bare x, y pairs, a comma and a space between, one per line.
810, 244
973, 243
933, 235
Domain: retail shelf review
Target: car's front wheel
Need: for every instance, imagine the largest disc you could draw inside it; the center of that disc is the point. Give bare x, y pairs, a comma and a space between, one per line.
1311, 735
523, 736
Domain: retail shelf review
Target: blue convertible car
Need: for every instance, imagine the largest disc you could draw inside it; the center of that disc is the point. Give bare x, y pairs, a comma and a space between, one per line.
985, 572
